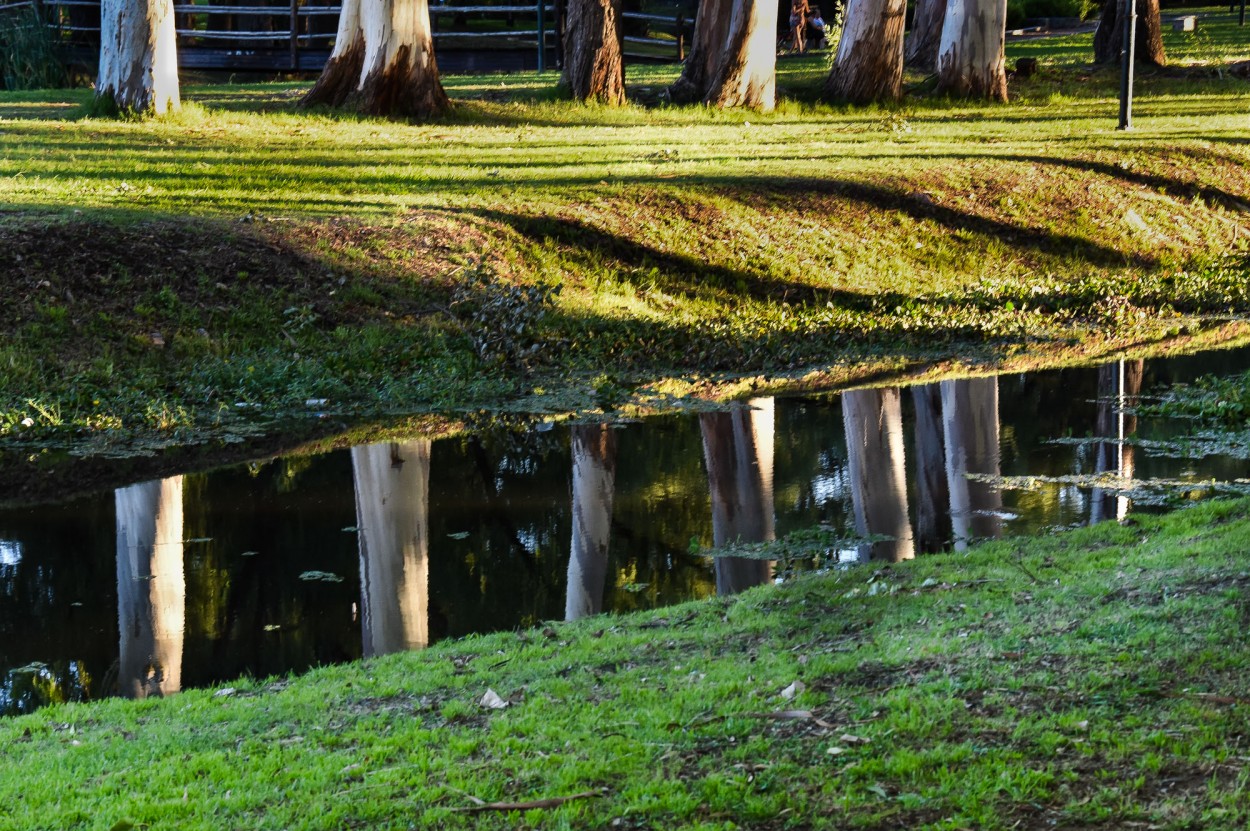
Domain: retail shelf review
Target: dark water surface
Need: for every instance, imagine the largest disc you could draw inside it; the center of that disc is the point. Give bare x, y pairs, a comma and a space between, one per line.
281, 565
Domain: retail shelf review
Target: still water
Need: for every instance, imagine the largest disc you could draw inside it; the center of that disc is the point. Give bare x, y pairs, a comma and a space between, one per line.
277, 566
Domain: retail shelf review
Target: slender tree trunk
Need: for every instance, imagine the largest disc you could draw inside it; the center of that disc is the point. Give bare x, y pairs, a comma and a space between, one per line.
738, 452
1119, 385
970, 60
151, 588
383, 61
869, 63
594, 486
746, 75
711, 29
392, 482
933, 521
921, 47
593, 65
138, 57
1109, 36
873, 421
970, 432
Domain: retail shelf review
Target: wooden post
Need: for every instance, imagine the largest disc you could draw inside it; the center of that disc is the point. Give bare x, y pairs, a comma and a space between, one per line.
542, 35
681, 38
295, 35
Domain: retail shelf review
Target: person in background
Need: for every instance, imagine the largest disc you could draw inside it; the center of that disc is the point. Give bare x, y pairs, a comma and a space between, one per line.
798, 25
817, 23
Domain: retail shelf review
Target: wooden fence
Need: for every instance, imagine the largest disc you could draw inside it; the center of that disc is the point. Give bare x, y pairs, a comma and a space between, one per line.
299, 36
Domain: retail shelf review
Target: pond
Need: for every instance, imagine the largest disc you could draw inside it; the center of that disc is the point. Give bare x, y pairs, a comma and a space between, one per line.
280, 565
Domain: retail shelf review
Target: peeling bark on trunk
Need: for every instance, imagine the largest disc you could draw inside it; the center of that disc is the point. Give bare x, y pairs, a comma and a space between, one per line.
593, 64
1109, 36
392, 482
138, 56
933, 522
971, 61
746, 74
873, 421
921, 48
151, 588
594, 486
869, 63
738, 452
970, 431
711, 29
383, 61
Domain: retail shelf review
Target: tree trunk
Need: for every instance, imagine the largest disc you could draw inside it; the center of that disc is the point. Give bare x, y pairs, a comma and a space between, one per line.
1119, 385
971, 61
738, 452
1109, 36
383, 61
921, 49
933, 521
746, 74
593, 65
392, 482
711, 28
594, 486
151, 588
138, 57
873, 421
970, 431
869, 63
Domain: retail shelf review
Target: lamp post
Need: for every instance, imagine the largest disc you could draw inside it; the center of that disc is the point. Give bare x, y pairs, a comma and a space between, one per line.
1128, 56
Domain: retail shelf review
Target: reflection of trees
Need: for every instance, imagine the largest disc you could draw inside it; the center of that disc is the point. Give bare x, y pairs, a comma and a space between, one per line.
392, 508
151, 589
933, 521
873, 421
738, 452
1119, 384
970, 431
594, 485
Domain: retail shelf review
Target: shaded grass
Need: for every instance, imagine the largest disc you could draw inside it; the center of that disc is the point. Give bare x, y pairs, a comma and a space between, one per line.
1091, 678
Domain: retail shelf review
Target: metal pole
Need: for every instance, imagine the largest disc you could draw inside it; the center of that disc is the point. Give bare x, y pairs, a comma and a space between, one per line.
542, 35
1128, 56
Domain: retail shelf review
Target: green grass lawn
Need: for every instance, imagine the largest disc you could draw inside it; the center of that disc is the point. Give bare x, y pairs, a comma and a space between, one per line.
160, 273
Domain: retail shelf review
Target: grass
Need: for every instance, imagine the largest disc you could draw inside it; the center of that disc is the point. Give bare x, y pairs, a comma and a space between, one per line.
1091, 678
206, 275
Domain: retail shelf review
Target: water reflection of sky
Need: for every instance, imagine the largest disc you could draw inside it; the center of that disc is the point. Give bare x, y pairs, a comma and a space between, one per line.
10, 553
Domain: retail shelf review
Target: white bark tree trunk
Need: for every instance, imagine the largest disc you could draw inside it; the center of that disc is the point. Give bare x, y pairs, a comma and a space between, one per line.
873, 421
970, 431
971, 61
392, 482
738, 452
151, 588
746, 73
711, 28
383, 61
594, 489
138, 57
869, 62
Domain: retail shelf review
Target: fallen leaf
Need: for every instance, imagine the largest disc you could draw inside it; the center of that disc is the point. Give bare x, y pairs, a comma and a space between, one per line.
492, 701
793, 690
850, 739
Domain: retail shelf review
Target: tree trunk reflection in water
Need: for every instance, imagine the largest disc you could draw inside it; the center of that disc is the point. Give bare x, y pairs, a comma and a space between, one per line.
151, 588
594, 486
1119, 385
873, 421
970, 430
933, 520
392, 519
738, 453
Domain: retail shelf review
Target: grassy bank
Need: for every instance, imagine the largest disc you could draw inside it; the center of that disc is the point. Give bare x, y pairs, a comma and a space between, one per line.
246, 263
1090, 679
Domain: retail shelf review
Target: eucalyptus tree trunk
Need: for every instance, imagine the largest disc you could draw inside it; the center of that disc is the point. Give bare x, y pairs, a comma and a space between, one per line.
1109, 36
738, 452
711, 29
1119, 385
383, 61
594, 487
933, 521
970, 431
138, 57
593, 63
873, 422
869, 62
392, 482
746, 73
921, 47
151, 588
971, 61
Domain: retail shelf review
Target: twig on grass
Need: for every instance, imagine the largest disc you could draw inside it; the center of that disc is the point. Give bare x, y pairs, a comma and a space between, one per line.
550, 802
